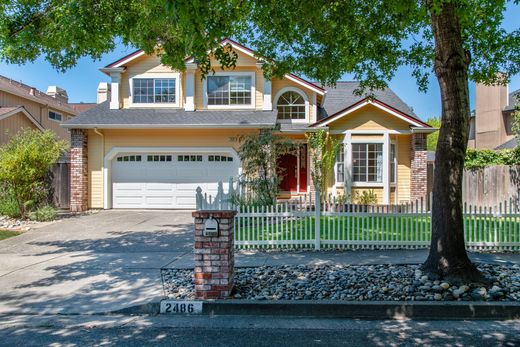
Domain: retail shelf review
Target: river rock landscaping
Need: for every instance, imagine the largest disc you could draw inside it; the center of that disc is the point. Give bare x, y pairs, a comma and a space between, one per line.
16, 224
353, 283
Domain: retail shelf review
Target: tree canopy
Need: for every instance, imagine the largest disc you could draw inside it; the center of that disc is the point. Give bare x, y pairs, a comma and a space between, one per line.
321, 39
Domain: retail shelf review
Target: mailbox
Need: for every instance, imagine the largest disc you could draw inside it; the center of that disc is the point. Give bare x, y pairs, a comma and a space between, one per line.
210, 227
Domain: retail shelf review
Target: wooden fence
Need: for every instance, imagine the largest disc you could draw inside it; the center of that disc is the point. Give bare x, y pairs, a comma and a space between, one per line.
491, 185
59, 183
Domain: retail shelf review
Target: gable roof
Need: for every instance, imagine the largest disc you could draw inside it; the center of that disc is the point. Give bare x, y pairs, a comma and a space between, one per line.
341, 100
6, 112
25, 91
102, 116
314, 87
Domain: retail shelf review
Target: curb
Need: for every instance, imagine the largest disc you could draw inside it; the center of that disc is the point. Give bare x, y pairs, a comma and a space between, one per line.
334, 309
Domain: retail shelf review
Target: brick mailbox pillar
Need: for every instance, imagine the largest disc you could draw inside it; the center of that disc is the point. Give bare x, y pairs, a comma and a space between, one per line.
214, 255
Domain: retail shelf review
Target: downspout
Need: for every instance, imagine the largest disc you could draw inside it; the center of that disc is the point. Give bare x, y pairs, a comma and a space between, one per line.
102, 160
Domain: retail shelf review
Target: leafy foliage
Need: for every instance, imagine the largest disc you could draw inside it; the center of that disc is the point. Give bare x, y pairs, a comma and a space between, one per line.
8, 205
44, 213
322, 149
431, 141
479, 158
367, 197
24, 162
260, 173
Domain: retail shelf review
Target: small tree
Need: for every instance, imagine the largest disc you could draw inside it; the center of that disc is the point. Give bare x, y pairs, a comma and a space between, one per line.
259, 154
24, 162
322, 149
431, 141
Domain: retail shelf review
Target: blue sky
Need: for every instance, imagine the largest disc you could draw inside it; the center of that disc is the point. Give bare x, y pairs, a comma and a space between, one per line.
81, 81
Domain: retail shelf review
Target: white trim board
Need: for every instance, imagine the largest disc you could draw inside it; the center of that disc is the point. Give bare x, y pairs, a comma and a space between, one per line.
21, 109
114, 151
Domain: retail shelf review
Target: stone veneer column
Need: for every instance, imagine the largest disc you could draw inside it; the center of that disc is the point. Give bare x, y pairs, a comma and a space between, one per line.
214, 256
419, 172
78, 170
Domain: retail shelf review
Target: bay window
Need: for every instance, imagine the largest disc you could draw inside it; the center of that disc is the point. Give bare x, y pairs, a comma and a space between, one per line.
367, 162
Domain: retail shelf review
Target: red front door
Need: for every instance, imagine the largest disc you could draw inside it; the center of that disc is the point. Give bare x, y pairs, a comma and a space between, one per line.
287, 165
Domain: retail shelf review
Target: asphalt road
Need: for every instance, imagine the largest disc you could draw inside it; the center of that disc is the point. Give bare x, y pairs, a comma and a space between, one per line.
249, 331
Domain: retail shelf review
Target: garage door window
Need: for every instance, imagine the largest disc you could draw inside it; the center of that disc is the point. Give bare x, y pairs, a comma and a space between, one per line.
219, 158
129, 158
159, 158
193, 158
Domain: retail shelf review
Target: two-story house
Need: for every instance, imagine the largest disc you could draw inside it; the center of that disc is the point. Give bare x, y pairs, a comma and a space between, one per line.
22, 106
491, 123
163, 133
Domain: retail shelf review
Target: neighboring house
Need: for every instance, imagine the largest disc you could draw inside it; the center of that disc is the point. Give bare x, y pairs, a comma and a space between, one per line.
163, 133
492, 120
22, 106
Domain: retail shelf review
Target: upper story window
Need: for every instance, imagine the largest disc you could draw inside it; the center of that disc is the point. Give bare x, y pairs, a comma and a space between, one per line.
292, 105
154, 90
55, 116
230, 90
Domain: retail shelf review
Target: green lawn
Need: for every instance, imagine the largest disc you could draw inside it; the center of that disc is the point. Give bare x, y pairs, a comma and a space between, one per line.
378, 228
5, 234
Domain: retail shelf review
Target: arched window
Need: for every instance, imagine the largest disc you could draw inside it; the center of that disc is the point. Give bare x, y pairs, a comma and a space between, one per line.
291, 106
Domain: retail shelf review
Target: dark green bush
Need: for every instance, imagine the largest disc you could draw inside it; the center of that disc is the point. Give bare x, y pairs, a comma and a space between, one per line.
479, 158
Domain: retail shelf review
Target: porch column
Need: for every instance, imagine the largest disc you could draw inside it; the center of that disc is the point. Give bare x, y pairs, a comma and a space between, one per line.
78, 170
386, 168
190, 87
347, 162
418, 188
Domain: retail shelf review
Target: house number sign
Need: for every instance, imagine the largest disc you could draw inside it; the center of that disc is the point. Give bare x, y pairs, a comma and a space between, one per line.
181, 307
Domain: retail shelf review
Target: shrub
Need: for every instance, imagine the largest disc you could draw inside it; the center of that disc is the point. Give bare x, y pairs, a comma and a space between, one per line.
24, 162
8, 205
367, 197
478, 158
44, 214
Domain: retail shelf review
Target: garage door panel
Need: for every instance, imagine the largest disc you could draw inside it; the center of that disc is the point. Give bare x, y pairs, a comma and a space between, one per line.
167, 184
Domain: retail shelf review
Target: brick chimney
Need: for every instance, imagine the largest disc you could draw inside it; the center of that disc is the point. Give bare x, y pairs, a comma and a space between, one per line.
490, 123
58, 93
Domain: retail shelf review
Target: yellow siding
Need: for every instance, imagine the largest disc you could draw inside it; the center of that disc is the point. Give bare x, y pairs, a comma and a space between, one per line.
149, 138
39, 112
10, 126
403, 168
278, 84
369, 118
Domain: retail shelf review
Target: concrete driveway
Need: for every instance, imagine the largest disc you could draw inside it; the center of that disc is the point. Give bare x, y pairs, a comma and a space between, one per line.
93, 263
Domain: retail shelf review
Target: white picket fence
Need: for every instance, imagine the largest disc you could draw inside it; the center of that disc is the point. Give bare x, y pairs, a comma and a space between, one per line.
293, 224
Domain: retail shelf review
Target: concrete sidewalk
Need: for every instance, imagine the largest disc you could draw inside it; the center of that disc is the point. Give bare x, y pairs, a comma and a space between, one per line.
111, 260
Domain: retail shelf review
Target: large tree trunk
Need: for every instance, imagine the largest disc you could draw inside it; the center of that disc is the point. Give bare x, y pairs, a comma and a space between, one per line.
448, 257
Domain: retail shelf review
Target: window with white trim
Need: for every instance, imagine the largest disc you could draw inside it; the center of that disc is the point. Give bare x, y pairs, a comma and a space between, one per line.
55, 116
291, 105
219, 158
189, 157
229, 90
340, 166
367, 162
154, 90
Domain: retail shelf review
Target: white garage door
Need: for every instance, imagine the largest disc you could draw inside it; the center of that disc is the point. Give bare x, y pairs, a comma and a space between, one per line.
168, 180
